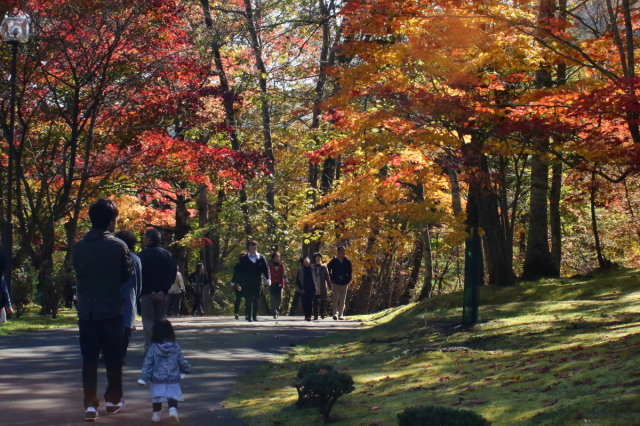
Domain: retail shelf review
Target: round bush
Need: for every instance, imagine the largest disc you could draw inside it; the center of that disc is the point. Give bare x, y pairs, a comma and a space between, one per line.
434, 415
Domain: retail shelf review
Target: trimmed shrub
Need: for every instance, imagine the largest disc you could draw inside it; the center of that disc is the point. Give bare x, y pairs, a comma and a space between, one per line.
322, 385
434, 415
22, 289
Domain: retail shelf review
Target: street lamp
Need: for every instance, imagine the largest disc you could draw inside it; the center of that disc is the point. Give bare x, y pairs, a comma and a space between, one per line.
14, 30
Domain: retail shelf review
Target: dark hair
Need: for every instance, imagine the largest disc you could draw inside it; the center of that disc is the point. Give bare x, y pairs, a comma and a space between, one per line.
251, 243
274, 254
302, 258
128, 237
102, 212
340, 248
198, 265
316, 254
153, 235
162, 331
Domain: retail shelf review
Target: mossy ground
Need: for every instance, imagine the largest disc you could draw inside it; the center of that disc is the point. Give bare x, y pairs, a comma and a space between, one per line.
550, 352
31, 320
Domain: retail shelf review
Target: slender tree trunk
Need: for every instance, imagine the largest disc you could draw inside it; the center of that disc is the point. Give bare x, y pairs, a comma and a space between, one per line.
228, 103
418, 254
603, 262
555, 219
363, 297
181, 230
256, 46
427, 286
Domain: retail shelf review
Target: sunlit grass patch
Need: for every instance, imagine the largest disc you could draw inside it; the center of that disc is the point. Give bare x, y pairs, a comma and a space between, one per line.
31, 320
550, 352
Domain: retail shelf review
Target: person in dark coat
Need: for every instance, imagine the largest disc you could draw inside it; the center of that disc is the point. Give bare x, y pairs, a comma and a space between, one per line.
102, 263
305, 286
158, 275
5, 298
248, 273
130, 291
340, 271
199, 280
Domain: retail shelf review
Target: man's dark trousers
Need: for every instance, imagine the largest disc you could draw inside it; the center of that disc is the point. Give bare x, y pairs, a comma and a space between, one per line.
252, 298
106, 336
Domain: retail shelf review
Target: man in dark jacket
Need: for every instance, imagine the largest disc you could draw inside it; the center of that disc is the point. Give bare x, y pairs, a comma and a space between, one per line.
248, 274
340, 271
102, 263
158, 274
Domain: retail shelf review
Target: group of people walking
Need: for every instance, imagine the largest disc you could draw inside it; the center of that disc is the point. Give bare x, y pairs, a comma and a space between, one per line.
313, 282
112, 281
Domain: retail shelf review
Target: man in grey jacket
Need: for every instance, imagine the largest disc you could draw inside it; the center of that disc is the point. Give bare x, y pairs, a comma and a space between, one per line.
102, 263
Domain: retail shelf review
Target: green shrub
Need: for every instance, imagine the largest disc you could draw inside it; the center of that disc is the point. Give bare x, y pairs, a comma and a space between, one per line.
322, 385
22, 289
434, 415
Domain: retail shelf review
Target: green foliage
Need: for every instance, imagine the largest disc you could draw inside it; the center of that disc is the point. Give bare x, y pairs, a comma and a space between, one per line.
549, 352
434, 415
31, 320
22, 289
322, 384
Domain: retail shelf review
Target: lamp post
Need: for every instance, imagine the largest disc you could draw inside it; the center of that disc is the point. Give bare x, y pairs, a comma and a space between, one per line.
14, 30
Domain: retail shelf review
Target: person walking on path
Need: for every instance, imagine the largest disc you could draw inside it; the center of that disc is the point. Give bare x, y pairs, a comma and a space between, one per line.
279, 281
162, 368
340, 271
239, 295
130, 291
159, 272
199, 280
176, 292
305, 286
102, 263
5, 298
322, 282
248, 274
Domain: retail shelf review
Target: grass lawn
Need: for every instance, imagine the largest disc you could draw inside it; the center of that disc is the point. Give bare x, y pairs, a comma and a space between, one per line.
553, 352
32, 320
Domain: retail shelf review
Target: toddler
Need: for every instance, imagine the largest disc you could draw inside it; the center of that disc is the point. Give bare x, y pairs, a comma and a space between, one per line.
164, 366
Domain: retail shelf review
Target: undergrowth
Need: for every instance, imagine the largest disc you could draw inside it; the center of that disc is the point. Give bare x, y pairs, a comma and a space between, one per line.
550, 352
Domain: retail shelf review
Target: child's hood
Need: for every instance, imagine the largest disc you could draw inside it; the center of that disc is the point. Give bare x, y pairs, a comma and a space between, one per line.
167, 348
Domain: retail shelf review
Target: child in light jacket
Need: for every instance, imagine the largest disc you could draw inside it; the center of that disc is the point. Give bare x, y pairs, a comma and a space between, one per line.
164, 366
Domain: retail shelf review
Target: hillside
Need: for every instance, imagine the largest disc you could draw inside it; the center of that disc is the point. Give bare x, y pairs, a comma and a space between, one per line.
550, 352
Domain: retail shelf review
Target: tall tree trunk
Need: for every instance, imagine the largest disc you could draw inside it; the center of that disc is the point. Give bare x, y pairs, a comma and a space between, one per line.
181, 230
363, 297
603, 262
256, 46
481, 192
206, 249
427, 286
555, 219
228, 105
418, 254
538, 262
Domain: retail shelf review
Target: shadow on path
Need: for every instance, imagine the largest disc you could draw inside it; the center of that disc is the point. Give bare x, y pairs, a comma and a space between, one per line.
40, 377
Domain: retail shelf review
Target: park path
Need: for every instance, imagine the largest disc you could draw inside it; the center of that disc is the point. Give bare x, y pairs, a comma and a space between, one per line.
40, 377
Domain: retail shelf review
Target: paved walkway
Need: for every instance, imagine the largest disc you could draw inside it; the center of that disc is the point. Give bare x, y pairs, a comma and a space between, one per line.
40, 377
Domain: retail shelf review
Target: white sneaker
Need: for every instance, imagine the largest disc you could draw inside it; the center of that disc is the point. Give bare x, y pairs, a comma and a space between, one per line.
156, 417
173, 415
91, 414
